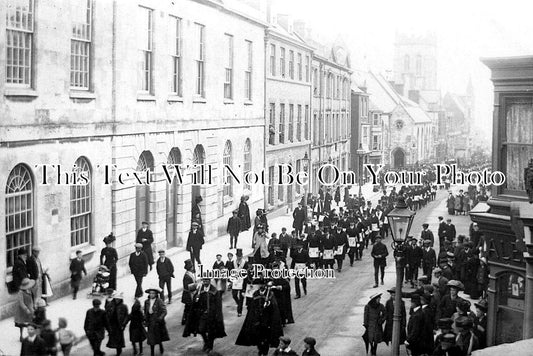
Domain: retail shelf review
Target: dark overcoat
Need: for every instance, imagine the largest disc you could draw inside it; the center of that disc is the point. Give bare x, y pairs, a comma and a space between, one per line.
138, 264
157, 328
262, 322
389, 321
373, 321
147, 245
95, 324
117, 319
244, 215
283, 298
137, 330
206, 314
195, 240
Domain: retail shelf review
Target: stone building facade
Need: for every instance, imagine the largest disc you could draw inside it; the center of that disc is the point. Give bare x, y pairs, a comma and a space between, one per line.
135, 84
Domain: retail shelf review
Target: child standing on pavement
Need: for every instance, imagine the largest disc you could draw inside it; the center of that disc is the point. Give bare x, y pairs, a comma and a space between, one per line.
65, 337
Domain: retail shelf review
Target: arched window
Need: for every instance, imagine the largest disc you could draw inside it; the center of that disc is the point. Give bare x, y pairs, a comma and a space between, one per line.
81, 206
227, 160
19, 212
142, 192
247, 160
406, 63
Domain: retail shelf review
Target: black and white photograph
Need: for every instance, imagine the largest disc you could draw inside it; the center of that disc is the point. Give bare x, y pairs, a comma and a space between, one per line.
266, 177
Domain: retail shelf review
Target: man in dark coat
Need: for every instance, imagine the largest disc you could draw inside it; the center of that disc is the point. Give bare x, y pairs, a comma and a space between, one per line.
327, 201
117, 319
450, 230
195, 241
262, 326
298, 216
77, 266
165, 272
417, 330
20, 268
374, 317
429, 259
146, 238
189, 286
379, 253
389, 319
244, 214
95, 326
427, 234
442, 232
33, 344
139, 268
300, 260
196, 212
206, 316
233, 229
341, 243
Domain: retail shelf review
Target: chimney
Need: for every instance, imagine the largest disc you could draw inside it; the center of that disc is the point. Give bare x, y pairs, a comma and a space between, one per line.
414, 95
286, 22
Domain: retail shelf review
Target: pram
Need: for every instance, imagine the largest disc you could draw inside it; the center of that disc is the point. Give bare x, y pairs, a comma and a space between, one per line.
101, 282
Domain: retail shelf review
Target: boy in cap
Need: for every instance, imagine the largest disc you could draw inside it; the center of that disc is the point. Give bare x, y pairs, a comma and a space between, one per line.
309, 344
165, 271
77, 266
284, 348
195, 241
95, 326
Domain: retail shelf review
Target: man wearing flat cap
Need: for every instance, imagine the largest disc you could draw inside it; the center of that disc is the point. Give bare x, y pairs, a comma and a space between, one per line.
284, 349
165, 272
139, 267
447, 346
427, 234
146, 238
35, 269
233, 229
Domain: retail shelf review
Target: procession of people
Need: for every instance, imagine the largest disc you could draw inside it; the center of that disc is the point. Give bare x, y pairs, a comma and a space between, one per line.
438, 266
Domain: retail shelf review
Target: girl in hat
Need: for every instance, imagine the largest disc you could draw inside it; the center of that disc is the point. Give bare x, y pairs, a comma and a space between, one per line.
24, 312
137, 330
374, 318
155, 312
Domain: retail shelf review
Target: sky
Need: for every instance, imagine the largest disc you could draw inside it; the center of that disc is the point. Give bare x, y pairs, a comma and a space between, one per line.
466, 31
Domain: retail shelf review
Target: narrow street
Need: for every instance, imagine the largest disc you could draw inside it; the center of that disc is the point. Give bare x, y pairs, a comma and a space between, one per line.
332, 311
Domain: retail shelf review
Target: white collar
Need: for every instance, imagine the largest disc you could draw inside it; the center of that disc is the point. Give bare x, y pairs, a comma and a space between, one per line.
288, 349
32, 338
416, 309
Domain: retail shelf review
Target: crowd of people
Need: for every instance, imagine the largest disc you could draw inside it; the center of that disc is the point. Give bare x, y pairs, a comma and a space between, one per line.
321, 237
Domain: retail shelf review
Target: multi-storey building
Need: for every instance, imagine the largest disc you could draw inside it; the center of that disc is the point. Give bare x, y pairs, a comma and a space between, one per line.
331, 109
135, 84
288, 108
358, 122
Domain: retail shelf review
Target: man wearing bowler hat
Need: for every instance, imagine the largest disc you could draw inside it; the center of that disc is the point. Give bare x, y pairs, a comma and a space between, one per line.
165, 272
146, 238
139, 268
233, 229
379, 253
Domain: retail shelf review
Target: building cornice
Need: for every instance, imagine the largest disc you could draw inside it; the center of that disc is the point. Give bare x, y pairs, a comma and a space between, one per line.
234, 12
272, 33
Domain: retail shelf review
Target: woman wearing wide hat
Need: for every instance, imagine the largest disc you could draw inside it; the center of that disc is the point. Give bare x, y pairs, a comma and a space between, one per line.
109, 258
24, 312
155, 312
244, 214
374, 318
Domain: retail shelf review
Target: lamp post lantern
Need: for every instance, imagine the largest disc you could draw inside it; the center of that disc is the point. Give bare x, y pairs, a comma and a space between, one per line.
400, 221
360, 154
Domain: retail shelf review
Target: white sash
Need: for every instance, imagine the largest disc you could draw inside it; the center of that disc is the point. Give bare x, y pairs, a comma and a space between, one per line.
351, 241
328, 254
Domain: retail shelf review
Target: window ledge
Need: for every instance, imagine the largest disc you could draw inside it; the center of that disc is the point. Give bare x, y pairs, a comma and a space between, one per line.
85, 250
228, 101
79, 94
145, 97
199, 100
248, 102
227, 201
175, 99
21, 92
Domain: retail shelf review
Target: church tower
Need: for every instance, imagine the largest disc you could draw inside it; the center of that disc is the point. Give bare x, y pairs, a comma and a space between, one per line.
415, 62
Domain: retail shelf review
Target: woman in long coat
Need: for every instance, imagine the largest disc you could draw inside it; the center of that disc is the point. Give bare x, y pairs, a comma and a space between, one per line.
155, 312
117, 319
137, 330
109, 258
450, 204
244, 214
24, 312
373, 322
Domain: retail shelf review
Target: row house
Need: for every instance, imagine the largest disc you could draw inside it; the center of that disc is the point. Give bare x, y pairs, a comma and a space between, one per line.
127, 85
288, 108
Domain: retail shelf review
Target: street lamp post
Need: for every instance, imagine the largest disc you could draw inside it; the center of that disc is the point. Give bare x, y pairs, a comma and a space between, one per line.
305, 166
400, 220
360, 154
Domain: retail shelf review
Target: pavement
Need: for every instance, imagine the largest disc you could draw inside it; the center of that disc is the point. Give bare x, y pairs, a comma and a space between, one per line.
74, 310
